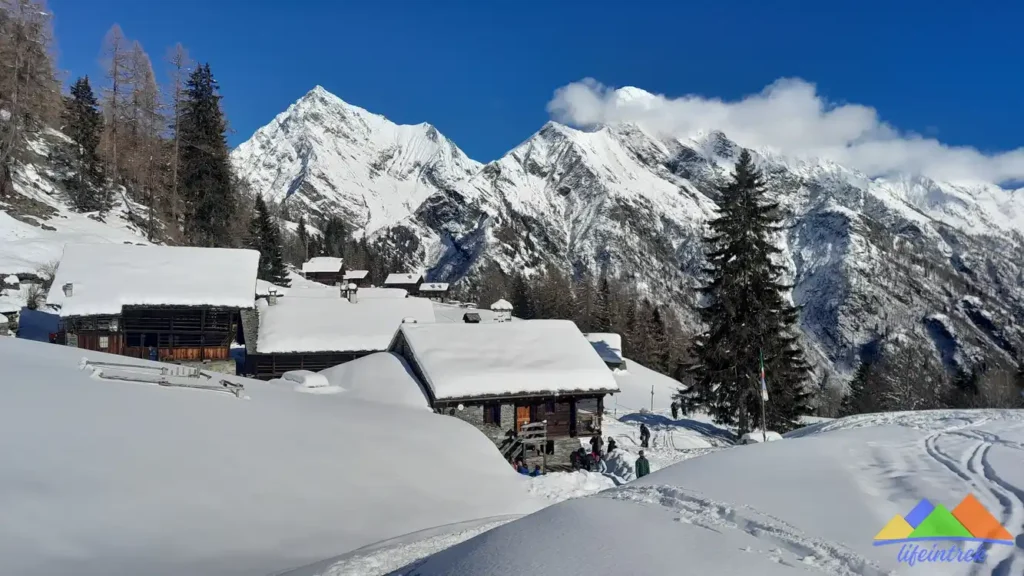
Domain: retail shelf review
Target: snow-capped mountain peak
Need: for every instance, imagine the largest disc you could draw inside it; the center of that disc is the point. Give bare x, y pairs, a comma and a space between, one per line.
330, 157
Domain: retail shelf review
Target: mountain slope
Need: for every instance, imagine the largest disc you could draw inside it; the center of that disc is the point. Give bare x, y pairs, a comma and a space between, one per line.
36, 220
332, 157
875, 263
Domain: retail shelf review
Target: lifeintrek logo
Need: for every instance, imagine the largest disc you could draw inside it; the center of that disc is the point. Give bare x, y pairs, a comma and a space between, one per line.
960, 535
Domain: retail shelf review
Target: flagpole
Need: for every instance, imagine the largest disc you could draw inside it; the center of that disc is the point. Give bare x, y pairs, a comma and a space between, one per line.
764, 394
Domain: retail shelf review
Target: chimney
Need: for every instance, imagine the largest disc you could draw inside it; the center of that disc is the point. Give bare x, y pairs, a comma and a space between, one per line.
69, 289
352, 294
272, 296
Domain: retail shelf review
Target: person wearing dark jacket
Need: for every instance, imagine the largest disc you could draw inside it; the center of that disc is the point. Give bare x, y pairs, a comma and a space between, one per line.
675, 410
574, 460
645, 435
536, 470
611, 444
595, 445
584, 460
643, 467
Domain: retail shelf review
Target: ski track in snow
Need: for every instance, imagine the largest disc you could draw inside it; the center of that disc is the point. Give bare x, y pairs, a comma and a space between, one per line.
811, 552
974, 467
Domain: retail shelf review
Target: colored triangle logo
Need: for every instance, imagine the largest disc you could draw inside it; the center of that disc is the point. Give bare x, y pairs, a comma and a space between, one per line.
978, 521
896, 529
940, 524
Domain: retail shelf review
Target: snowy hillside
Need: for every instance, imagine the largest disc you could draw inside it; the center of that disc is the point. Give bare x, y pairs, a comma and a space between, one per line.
331, 157
871, 259
36, 222
810, 504
116, 478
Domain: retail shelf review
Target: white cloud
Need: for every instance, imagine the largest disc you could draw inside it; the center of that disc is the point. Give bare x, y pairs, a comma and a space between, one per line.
791, 117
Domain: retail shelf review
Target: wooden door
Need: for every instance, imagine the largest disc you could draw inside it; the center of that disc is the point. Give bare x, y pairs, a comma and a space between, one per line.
522, 416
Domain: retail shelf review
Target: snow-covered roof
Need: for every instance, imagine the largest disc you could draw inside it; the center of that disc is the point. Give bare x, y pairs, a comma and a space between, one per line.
105, 277
335, 325
532, 357
322, 264
356, 274
434, 287
403, 278
364, 293
502, 305
263, 288
608, 346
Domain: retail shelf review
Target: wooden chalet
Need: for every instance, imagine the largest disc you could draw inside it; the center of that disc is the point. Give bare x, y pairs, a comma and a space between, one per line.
434, 290
410, 282
163, 303
299, 333
357, 277
324, 269
500, 376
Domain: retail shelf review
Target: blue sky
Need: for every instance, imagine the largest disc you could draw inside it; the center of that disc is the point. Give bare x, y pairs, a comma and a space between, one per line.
483, 72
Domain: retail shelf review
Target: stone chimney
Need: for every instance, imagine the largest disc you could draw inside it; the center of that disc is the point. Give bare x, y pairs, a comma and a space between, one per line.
69, 289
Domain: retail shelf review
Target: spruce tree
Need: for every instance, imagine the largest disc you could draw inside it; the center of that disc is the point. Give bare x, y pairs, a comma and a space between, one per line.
747, 315
83, 176
603, 305
854, 401
204, 171
303, 235
265, 237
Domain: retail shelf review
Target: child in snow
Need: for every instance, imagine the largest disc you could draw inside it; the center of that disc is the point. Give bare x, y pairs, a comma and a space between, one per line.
595, 445
675, 410
645, 435
643, 467
536, 470
611, 444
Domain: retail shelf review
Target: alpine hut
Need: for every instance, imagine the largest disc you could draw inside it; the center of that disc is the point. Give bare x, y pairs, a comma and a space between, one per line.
157, 302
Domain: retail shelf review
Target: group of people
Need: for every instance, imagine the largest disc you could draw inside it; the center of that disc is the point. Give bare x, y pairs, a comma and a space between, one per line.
581, 460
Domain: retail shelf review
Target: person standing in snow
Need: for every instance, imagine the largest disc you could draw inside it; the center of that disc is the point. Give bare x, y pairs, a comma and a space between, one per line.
645, 435
643, 467
611, 444
675, 410
595, 445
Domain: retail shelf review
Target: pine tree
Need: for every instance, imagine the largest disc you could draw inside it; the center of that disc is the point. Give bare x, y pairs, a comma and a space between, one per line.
747, 316
79, 159
205, 179
520, 298
265, 237
603, 305
854, 401
334, 236
303, 235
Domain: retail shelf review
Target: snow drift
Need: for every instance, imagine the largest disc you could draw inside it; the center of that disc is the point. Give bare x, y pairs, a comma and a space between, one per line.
811, 504
120, 478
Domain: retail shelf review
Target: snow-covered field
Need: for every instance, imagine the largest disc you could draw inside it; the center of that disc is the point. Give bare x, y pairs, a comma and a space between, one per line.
108, 478
810, 504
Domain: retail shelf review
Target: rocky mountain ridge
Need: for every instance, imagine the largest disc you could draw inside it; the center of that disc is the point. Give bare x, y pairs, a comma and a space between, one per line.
904, 259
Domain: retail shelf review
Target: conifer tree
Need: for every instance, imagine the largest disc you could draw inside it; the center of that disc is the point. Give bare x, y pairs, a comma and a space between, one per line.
747, 315
303, 235
602, 306
205, 180
265, 237
83, 175
854, 401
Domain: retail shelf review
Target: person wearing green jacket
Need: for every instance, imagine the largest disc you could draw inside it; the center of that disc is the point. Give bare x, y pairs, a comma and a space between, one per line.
643, 467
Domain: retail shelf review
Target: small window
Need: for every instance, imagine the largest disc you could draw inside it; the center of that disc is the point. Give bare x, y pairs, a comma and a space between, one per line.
492, 414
